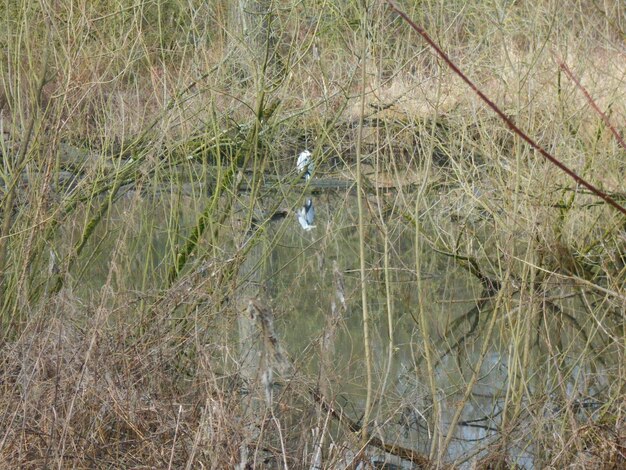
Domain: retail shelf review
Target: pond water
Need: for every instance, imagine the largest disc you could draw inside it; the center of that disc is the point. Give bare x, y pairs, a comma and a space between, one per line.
309, 273
302, 287
303, 264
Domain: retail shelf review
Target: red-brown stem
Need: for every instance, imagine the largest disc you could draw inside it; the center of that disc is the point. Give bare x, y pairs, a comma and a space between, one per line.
591, 101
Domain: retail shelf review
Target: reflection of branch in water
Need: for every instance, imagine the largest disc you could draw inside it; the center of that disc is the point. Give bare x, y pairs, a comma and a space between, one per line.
472, 316
476, 423
265, 318
491, 287
338, 283
553, 308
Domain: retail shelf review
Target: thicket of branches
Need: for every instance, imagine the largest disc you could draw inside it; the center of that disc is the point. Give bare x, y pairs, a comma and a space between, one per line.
160, 306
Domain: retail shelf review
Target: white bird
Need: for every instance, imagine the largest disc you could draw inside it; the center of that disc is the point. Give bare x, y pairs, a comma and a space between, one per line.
305, 164
306, 215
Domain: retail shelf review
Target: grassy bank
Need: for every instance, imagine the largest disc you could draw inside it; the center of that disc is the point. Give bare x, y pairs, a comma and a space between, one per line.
148, 182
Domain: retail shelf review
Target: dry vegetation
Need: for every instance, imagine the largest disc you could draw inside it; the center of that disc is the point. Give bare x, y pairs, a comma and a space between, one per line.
125, 283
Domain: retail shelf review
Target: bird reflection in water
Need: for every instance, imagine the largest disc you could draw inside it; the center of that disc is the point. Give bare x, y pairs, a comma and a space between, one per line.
306, 215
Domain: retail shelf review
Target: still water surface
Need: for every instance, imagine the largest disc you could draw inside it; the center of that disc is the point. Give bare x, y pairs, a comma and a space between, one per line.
310, 275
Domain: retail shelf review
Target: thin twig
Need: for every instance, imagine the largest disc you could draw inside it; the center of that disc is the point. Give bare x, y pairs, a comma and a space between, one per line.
591, 101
